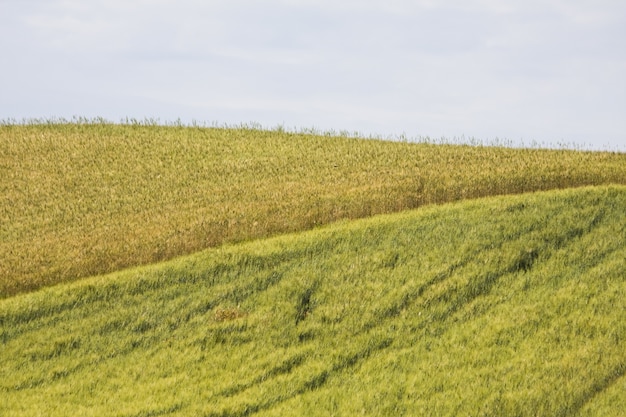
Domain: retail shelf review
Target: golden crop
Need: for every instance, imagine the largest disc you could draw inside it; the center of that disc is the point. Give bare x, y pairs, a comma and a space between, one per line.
79, 199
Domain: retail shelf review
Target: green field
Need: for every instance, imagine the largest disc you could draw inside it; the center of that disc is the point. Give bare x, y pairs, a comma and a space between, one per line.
502, 306
189, 271
80, 199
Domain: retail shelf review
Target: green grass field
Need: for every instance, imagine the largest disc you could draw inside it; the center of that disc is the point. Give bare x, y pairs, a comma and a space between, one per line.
502, 306
80, 199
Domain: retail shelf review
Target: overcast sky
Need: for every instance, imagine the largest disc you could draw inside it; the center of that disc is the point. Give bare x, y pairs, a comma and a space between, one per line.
545, 71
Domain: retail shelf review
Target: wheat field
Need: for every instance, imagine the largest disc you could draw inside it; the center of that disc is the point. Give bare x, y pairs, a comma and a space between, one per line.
80, 199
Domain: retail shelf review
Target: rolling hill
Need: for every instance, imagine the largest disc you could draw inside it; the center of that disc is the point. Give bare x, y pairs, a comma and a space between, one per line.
81, 199
509, 305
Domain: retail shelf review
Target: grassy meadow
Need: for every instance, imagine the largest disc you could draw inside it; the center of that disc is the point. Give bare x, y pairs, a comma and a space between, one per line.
80, 199
502, 306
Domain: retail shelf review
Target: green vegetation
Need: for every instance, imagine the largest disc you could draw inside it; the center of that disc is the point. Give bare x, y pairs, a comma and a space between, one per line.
505, 306
80, 199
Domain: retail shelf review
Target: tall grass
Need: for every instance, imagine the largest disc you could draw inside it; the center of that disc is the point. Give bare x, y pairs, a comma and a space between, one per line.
504, 306
78, 199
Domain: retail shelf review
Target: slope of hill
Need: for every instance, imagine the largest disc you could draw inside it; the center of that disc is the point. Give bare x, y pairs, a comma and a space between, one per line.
509, 305
83, 199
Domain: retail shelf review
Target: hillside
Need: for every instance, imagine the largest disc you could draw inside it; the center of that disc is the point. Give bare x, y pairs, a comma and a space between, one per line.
82, 199
508, 305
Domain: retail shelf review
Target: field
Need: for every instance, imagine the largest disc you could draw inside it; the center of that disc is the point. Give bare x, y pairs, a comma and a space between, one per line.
81, 199
153, 270
501, 306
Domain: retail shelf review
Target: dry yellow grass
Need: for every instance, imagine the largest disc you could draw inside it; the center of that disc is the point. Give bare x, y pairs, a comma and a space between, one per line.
83, 199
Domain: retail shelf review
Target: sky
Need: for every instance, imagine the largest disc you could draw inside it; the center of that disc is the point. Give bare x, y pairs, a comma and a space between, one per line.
527, 72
